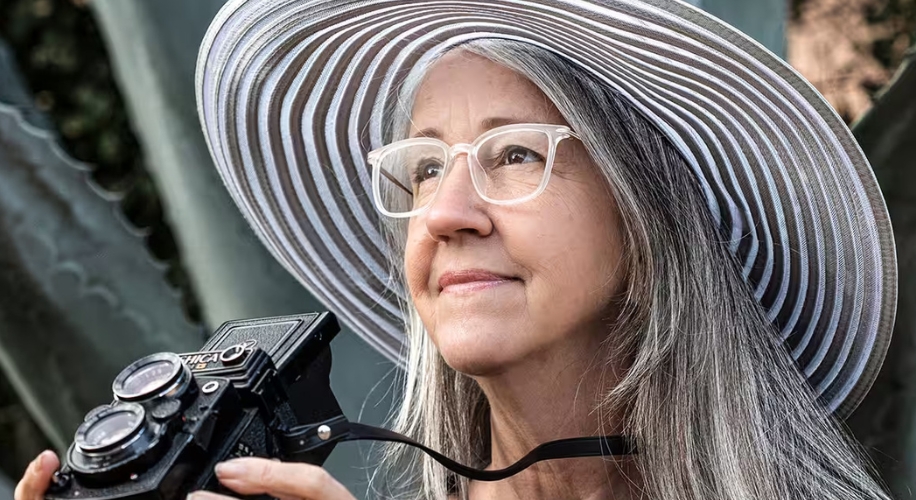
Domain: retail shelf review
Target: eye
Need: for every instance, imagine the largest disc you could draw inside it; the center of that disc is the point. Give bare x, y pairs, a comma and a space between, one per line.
425, 170
516, 155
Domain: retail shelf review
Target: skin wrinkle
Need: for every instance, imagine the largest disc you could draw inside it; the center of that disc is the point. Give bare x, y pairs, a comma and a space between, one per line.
530, 344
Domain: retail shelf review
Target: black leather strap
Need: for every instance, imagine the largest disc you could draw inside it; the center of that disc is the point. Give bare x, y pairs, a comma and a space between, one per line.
299, 442
563, 448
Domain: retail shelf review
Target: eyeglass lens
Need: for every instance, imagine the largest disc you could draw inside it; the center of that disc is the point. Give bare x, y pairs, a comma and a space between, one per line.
508, 166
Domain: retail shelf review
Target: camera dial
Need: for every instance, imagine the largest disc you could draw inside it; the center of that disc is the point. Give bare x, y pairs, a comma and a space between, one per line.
161, 375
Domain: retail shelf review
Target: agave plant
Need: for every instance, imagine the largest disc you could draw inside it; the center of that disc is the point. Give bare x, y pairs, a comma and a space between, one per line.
82, 296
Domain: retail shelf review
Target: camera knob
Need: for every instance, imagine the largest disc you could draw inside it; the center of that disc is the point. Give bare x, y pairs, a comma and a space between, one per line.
233, 355
60, 480
166, 409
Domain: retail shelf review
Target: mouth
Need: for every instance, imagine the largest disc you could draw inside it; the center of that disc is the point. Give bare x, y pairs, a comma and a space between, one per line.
471, 280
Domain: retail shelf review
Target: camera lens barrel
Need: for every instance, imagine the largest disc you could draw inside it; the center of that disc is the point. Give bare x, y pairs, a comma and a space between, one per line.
160, 375
112, 437
111, 429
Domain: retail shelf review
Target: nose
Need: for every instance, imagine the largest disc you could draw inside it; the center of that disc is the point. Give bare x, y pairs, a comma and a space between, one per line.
457, 209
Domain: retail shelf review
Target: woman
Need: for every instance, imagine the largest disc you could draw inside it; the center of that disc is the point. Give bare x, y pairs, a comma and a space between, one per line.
658, 231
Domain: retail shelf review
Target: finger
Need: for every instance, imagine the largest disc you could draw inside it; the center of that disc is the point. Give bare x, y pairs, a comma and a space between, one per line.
37, 477
207, 495
254, 476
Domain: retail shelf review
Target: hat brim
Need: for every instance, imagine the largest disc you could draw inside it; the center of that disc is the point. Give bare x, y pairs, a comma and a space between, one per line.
291, 95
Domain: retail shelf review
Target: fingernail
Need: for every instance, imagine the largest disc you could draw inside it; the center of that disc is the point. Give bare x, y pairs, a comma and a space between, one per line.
229, 469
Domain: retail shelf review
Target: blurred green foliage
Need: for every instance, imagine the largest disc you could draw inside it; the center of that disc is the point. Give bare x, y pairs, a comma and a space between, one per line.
63, 60
61, 56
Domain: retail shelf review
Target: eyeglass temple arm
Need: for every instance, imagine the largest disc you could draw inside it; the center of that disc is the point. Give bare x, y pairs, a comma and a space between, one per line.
396, 182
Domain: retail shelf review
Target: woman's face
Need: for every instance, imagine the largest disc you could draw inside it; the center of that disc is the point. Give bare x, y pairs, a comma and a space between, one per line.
498, 286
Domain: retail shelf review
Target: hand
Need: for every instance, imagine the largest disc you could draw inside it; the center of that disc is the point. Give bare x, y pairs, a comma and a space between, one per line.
286, 481
37, 477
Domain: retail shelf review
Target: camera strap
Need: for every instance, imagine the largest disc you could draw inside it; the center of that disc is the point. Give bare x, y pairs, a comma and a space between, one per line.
301, 440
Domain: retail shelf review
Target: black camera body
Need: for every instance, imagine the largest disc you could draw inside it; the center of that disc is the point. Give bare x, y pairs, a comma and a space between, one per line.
174, 416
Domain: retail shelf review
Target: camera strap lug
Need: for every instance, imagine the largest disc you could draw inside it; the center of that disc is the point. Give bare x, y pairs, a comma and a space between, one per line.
303, 439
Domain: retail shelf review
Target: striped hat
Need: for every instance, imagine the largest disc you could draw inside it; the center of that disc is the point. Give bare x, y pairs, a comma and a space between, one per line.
291, 96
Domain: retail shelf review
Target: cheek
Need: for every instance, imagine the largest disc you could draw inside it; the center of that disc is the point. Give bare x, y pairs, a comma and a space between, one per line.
578, 256
418, 254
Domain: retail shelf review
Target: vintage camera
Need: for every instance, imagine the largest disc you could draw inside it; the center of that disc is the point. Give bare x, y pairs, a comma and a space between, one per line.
257, 388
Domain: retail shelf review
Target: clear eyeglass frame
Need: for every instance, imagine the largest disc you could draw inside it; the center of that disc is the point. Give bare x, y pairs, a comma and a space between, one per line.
555, 134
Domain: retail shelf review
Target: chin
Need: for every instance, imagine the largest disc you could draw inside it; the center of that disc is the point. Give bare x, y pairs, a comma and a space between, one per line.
476, 352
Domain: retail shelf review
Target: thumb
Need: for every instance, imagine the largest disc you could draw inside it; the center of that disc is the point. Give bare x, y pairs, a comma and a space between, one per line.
37, 477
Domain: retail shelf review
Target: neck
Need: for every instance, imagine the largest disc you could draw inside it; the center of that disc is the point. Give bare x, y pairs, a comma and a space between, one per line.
546, 399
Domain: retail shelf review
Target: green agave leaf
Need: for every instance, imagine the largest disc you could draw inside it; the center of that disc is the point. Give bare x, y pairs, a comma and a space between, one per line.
81, 295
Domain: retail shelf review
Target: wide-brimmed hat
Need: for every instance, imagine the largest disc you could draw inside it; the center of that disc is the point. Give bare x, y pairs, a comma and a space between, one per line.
291, 94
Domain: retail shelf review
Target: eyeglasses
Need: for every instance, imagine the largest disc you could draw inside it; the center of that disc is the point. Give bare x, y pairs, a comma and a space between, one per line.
509, 165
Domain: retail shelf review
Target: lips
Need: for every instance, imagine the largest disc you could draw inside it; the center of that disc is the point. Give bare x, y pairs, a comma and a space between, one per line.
471, 280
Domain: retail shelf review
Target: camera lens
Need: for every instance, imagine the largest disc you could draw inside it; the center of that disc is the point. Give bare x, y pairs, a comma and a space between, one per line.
149, 378
110, 429
157, 375
113, 439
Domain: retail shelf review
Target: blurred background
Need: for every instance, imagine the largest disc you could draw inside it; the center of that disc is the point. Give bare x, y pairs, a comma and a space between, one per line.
118, 240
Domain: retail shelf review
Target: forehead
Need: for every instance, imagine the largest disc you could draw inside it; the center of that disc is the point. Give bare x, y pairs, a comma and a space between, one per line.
466, 94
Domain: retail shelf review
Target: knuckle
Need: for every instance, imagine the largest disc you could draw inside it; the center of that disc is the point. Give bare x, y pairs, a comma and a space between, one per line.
267, 473
317, 479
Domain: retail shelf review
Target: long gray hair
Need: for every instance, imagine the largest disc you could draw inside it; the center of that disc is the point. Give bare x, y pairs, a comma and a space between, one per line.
711, 397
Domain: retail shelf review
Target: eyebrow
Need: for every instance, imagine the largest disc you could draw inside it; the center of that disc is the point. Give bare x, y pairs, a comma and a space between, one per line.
485, 124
